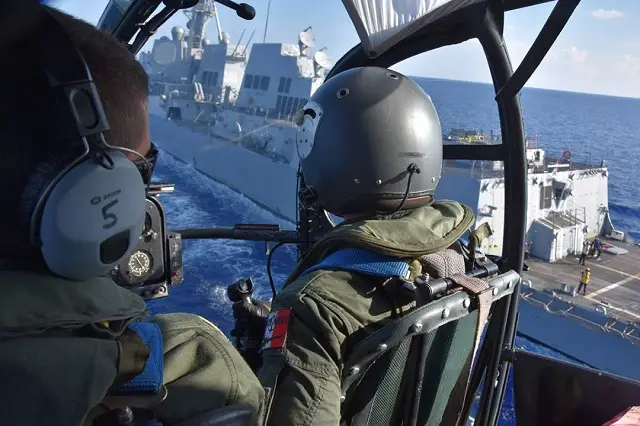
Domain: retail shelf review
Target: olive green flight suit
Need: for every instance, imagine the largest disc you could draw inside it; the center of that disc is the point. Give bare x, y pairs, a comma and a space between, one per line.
51, 376
333, 310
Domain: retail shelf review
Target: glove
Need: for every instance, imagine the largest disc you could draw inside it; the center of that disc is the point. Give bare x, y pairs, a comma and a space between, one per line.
250, 321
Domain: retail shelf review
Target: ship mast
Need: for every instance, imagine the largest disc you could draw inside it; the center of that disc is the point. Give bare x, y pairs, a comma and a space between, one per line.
218, 26
198, 16
266, 23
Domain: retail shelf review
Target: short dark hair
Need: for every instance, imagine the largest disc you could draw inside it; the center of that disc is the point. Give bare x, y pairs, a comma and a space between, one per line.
122, 82
27, 115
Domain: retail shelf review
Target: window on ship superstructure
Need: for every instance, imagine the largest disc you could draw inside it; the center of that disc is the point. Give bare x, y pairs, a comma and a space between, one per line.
209, 78
285, 85
264, 82
289, 105
248, 81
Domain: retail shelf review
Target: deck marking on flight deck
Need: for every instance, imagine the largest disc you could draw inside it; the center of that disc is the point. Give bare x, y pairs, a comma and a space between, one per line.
612, 286
612, 270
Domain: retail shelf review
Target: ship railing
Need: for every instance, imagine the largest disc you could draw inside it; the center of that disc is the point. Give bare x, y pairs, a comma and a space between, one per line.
180, 95
530, 297
635, 339
478, 169
632, 333
548, 300
268, 113
624, 327
583, 165
633, 329
571, 313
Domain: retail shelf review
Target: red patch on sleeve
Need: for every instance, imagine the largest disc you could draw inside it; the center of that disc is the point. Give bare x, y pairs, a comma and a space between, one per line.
275, 333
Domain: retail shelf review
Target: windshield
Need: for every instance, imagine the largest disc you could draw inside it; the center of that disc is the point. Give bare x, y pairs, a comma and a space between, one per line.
112, 14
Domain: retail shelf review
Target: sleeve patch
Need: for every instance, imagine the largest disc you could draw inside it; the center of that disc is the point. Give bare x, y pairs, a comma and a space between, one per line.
275, 333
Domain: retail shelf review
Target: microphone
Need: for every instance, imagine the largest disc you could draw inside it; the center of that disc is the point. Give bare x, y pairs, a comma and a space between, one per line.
180, 4
243, 10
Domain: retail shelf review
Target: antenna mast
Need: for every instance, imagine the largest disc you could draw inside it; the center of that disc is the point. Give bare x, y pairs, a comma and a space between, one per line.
266, 23
248, 43
198, 16
215, 15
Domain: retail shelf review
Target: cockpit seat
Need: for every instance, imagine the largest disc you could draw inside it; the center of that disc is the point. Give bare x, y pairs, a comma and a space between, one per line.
415, 371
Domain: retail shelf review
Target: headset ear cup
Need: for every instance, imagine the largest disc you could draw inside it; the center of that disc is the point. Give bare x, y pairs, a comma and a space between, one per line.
38, 182
93, 218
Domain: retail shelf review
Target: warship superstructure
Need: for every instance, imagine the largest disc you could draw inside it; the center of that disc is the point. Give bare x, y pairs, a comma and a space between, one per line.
229, 109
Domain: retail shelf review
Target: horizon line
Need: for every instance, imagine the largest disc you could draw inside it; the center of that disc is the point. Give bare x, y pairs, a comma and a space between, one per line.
527, 87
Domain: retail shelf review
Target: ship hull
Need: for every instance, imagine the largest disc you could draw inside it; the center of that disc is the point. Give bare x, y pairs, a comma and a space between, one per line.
269, 184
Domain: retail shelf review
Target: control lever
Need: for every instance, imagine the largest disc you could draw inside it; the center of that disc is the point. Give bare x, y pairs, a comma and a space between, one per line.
243, 10
247, 334
240, 291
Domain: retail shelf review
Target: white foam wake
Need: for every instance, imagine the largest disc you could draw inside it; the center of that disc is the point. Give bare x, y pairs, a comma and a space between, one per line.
210, 265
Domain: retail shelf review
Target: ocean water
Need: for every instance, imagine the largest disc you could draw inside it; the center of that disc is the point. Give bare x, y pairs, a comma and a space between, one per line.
592, 127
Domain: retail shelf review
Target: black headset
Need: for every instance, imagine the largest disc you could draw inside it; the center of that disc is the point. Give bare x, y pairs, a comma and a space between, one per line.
85, 206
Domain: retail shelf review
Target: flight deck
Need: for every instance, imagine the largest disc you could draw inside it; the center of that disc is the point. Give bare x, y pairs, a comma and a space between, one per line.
615, 279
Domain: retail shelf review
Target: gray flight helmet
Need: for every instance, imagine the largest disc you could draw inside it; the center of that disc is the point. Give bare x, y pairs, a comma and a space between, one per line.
369, 141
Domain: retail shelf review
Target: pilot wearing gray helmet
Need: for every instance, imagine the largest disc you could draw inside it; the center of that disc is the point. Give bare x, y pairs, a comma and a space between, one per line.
370, 147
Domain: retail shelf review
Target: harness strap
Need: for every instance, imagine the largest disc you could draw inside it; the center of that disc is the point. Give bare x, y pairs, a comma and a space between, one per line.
367, 262
140, 373
478, 288
481, 290
150, 379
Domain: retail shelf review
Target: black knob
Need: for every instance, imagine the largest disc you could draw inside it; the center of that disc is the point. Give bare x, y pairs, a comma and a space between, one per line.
245, 11
240, 290
124, 416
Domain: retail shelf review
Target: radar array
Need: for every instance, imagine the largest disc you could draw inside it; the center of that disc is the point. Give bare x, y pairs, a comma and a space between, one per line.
321, 59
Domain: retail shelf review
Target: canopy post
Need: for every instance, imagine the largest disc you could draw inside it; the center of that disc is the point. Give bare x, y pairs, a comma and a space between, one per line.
515, 172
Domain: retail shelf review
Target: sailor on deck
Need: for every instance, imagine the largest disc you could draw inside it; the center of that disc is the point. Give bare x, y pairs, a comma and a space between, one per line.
585, 279
370, 148
597, 248
585, 251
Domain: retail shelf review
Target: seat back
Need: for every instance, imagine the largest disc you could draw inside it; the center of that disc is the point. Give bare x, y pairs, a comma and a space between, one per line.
415, 370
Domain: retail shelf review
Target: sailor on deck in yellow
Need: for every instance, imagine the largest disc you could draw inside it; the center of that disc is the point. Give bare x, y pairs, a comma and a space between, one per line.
585, 279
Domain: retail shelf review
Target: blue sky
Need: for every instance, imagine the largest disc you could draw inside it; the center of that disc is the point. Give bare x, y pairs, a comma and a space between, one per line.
598, 51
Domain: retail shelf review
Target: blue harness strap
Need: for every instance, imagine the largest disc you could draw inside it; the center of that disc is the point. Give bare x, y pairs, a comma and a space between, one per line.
364, 261
150, 379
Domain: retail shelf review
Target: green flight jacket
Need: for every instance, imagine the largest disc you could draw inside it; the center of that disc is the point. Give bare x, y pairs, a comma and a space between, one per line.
333, 310
51, 375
